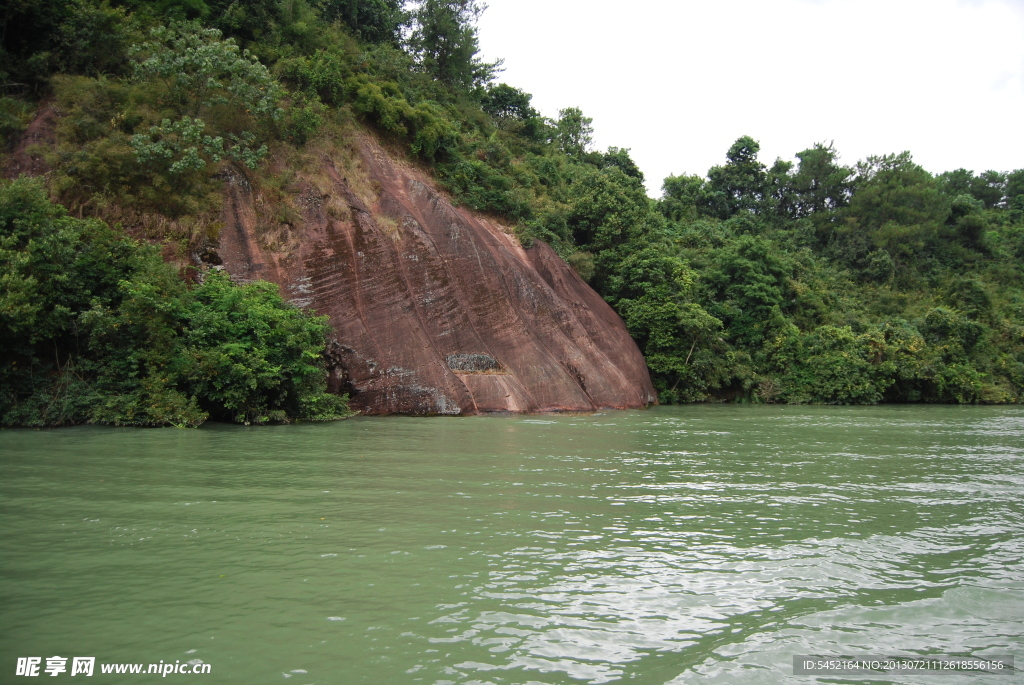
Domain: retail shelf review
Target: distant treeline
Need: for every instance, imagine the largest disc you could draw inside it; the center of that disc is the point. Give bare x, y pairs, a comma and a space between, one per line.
806, 282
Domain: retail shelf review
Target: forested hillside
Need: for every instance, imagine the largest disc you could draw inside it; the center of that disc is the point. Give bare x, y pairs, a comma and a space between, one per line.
815, 281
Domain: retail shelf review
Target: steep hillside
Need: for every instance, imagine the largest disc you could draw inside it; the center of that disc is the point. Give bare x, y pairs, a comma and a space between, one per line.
436, 310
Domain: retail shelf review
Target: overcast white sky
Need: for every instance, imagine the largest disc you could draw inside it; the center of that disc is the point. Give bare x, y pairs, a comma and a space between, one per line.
678, 82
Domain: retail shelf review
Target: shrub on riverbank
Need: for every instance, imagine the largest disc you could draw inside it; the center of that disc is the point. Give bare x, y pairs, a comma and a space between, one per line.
97, 328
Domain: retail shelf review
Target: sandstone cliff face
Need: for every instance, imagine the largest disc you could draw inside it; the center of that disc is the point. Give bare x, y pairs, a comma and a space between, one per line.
436, 311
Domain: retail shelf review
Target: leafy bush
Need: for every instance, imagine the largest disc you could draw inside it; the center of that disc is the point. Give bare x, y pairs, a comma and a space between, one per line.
838, 367
197, 73
15, 116
97, 328
95, 166
426, 127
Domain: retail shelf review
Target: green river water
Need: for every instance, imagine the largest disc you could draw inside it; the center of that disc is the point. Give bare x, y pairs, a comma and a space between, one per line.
676, 545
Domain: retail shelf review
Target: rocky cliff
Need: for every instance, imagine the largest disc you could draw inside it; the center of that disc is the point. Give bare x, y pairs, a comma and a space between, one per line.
436, 310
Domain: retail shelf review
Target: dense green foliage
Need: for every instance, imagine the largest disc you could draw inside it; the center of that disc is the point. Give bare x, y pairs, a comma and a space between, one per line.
805, 281
850, 285
96, 327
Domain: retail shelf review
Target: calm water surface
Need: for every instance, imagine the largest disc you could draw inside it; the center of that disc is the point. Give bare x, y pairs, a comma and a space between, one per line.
676, 545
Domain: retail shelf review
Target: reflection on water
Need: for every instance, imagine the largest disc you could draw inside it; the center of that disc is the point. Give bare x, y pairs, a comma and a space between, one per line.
679, 544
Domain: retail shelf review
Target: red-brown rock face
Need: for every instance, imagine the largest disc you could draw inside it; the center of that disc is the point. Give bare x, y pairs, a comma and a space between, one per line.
438, 311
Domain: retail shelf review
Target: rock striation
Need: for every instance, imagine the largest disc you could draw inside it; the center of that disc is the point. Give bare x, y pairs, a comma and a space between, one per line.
437, 310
